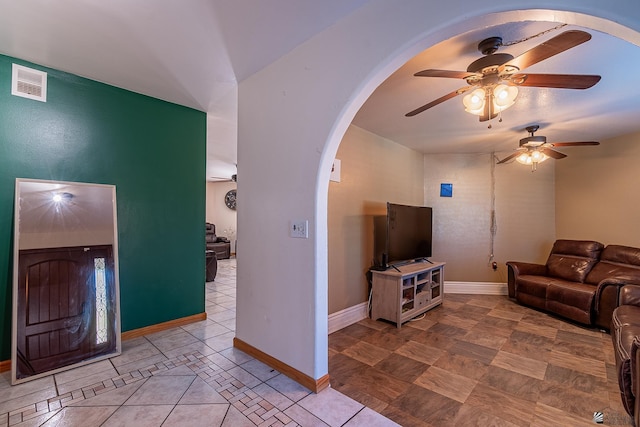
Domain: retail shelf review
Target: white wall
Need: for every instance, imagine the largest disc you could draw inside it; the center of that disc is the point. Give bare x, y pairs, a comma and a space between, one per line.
292, 116
524, 214
597, 192
219, 214
374, 171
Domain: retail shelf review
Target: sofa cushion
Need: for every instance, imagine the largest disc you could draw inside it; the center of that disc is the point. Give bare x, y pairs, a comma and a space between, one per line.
582, 248
571, 268
573, 259
616, 261
571, 300
533, 285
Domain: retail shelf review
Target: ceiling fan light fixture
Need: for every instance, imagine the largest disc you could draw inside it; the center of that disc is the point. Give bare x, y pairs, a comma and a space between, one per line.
524, 159
474, 101
501, 96
532, 158
504, 96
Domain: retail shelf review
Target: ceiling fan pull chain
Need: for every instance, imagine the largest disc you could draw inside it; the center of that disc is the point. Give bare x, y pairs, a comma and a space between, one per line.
557, 27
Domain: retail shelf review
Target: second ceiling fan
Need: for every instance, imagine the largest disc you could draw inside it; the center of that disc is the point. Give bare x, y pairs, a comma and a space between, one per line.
494, 78
535, 149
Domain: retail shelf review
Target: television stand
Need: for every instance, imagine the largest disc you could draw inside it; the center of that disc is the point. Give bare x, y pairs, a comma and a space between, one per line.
401, 295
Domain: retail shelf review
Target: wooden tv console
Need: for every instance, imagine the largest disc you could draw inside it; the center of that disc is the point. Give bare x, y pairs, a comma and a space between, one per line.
402, 294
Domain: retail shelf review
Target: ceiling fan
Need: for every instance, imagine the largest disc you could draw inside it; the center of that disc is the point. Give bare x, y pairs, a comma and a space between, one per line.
233, 178
495, 77
535, 149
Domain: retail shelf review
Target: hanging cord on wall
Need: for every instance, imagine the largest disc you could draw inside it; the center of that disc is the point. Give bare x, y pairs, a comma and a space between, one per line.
493, 228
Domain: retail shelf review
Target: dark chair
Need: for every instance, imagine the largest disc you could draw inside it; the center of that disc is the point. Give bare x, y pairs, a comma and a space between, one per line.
211, 266
220, 245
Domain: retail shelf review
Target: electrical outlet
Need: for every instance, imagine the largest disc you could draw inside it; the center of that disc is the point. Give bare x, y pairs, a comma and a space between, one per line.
299, 229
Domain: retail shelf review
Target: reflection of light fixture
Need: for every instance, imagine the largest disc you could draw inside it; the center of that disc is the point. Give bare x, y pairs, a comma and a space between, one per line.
532, 157
500, 97
62, 197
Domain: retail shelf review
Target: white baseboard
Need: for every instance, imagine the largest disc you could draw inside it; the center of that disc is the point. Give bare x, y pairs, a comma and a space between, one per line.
350, 315
475, 288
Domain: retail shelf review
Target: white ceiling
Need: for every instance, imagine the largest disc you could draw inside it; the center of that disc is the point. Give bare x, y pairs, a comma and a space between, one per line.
608, 109
195, 55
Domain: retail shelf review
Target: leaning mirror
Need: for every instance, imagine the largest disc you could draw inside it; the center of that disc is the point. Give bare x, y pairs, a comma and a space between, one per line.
65, 277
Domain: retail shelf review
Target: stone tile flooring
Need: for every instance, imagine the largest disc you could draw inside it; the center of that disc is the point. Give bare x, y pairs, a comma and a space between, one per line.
186, 376
479, 360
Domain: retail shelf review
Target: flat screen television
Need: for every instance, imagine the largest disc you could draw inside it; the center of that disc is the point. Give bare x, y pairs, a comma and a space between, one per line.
403, 235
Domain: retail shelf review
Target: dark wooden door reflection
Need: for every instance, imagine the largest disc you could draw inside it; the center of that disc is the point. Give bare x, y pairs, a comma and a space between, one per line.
63, 316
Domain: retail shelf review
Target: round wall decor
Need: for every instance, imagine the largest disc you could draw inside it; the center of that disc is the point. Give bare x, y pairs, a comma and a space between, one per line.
230, 199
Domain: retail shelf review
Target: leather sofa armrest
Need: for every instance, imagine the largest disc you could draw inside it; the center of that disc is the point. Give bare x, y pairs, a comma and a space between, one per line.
515, 269
615, 282
607, 298
629, 294
635, 379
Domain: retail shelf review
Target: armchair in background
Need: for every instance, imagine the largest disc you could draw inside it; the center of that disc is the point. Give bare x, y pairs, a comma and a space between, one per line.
220, 245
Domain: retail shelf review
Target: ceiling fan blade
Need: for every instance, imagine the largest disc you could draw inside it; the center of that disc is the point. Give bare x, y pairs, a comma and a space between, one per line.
438, 101
573, 144
545, 50
445, 73
506, 159
562, 81
553, 153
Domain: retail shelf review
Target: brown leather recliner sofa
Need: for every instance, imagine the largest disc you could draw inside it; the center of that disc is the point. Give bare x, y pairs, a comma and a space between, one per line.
220, 245
581, 280
625, 334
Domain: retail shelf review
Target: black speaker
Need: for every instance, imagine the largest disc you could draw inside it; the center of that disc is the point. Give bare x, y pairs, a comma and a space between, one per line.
384, 260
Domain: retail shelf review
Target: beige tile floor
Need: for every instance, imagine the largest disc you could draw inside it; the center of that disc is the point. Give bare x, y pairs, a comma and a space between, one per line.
186, 376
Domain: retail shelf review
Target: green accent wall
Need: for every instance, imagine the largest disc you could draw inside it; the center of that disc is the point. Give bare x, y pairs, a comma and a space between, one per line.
153, 151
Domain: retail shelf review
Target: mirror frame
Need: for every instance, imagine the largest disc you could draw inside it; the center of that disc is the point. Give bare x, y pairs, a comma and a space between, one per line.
115, 328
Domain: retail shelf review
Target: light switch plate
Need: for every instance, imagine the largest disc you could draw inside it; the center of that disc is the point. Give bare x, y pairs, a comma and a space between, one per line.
299, 229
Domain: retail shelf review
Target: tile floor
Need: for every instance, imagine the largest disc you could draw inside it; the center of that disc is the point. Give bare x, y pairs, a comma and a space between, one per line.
186, 376
479, 360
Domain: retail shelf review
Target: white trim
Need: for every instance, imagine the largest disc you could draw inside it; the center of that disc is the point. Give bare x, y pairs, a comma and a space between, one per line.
348, 316
475, 288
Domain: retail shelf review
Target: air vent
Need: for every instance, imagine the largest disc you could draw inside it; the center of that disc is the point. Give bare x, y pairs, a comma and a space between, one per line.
29, 83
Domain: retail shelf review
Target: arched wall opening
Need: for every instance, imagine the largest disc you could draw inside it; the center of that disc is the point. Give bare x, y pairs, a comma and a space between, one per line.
292, 117
428, 41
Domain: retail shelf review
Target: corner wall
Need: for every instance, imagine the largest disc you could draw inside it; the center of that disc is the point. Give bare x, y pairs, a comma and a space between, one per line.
152, 151
597, 192
374, 171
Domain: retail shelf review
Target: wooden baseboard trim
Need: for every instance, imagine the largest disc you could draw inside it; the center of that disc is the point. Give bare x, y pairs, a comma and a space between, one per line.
312, 384
5, 365
135, 333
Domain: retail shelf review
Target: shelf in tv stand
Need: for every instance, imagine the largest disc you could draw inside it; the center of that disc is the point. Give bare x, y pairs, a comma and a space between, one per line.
400, 294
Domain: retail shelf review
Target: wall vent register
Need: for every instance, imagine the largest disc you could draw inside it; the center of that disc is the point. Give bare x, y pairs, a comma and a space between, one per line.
29, 83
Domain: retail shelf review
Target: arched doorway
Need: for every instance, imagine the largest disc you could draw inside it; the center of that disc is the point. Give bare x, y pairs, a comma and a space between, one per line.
303, 107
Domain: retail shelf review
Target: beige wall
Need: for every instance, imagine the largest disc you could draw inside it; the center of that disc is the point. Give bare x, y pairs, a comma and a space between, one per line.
376, 170
524, 214
373, 171
597, 192
218, 213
